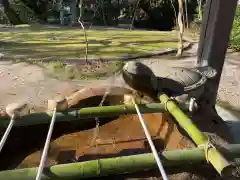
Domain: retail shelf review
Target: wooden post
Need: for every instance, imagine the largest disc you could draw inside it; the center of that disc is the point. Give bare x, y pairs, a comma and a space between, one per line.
215, 31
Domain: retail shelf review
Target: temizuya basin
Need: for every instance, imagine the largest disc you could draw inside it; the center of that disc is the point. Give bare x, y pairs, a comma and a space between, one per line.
71, 142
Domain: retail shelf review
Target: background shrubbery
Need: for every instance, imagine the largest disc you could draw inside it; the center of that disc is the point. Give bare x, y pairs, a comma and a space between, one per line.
234, 42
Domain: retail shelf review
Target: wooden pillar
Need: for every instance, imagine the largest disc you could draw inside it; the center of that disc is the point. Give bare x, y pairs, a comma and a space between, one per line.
215, 31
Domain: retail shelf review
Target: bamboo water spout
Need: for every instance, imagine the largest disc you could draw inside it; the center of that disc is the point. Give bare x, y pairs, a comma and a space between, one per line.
114, 166
219, 162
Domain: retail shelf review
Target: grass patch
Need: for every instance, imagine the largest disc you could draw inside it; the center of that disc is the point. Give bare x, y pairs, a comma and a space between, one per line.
62, 43
58, 43
98, 70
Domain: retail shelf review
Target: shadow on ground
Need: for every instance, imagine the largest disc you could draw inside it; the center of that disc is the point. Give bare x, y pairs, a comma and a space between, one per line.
64, 43
231, 116
76, 50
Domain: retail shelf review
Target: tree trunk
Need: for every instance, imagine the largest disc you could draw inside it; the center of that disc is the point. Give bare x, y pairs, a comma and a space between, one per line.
80, 5
181, 28
199, 10
40, 10
186, 13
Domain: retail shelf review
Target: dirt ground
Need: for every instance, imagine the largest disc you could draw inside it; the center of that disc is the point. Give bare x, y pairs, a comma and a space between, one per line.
24, 82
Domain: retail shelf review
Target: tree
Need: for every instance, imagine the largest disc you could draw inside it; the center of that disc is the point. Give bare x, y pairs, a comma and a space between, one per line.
10, 13
181, 28
39, 7
199, 9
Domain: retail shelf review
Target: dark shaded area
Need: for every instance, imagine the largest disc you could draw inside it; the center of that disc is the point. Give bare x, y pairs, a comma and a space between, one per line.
10, 13
207, 120
171, 87
152, 23
67, 156
153, 15
232, 123
40, 8
125, 152
162, 16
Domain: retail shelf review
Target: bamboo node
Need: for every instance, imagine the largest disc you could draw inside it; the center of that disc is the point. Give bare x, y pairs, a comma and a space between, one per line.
77, 115
207, 146
165, 103
98, 167
59, 103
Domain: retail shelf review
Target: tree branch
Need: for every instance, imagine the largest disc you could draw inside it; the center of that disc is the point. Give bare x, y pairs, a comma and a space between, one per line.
86, 40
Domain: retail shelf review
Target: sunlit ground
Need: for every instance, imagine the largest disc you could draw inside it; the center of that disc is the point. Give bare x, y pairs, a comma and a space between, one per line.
38, 43
69, 43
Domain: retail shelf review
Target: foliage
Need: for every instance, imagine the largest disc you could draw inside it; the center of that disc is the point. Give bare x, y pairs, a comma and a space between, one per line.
107, 13
234, 42
160, 14
152, 14
25, 14
3, 18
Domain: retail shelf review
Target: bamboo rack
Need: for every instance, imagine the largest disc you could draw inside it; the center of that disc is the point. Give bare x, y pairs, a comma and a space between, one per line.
212, 154
114, 166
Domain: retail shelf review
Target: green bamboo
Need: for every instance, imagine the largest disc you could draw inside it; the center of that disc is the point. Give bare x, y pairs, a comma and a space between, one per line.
84, 114
185, 122
218, 161
114, 166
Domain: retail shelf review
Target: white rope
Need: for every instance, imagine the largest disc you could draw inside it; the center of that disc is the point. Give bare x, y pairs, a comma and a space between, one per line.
46, 146
191, 104
5, 136
154, 151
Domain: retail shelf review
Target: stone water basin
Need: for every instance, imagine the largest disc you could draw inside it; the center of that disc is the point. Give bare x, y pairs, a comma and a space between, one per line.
71, 142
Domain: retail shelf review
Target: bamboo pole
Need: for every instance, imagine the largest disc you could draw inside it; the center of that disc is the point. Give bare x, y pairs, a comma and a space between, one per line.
84, 114
114, 166
219, 162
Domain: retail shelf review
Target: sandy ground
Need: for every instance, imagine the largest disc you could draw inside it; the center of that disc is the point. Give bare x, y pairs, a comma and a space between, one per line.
24, 82
28, 82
